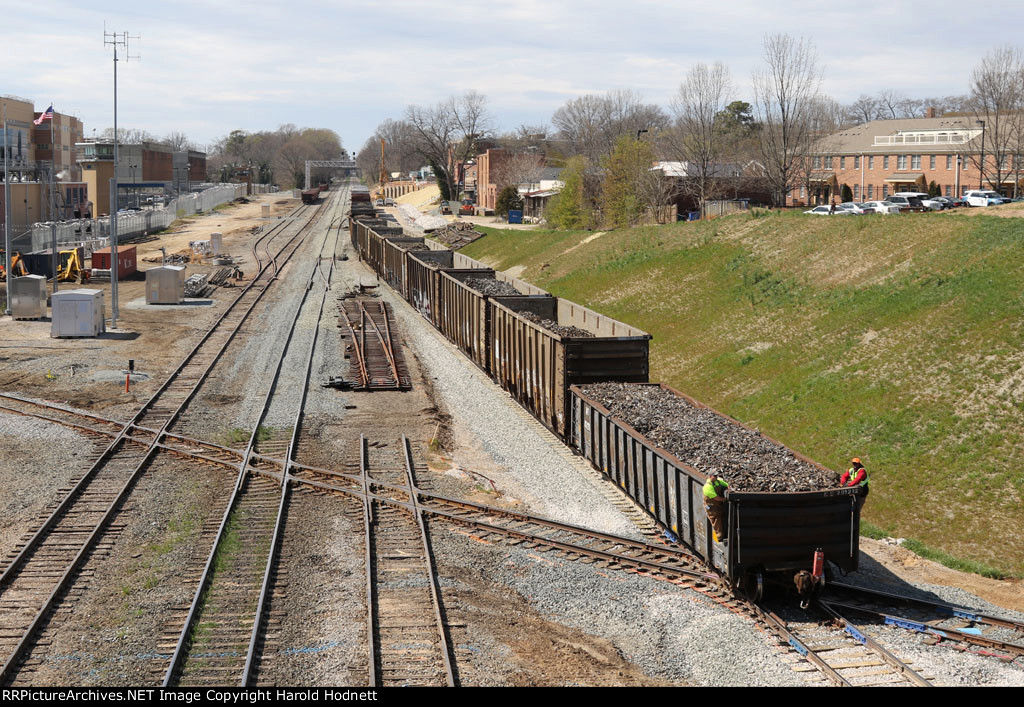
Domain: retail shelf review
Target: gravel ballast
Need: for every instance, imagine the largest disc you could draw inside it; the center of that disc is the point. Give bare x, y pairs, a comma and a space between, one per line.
708, 442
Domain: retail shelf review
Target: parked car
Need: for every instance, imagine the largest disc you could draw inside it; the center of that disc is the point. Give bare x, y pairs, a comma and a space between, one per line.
852, 206
907, 203
947, 202
881, 207
923, 197
827, 210
389, 202
378, 202
984, 197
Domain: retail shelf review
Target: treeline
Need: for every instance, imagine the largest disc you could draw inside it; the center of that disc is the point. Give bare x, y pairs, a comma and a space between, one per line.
278, 156
718, 142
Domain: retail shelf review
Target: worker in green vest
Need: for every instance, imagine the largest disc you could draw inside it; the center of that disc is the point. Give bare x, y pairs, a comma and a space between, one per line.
714, 505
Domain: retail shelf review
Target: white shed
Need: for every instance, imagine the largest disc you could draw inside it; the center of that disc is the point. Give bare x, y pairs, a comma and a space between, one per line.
77, 313
165, 285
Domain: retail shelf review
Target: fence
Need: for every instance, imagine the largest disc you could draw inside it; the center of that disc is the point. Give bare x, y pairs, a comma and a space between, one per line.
135, 223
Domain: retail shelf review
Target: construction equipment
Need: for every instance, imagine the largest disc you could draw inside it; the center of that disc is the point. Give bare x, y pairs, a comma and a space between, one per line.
467, 208
70, 268
18, 268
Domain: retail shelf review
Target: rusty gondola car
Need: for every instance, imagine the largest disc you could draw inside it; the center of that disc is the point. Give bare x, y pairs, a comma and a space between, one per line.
309, 196
770, 535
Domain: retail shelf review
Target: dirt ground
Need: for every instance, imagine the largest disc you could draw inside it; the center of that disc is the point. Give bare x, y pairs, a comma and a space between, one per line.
912, 568
88, 372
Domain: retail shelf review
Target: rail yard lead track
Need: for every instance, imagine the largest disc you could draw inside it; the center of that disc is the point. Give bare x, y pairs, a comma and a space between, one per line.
45, 565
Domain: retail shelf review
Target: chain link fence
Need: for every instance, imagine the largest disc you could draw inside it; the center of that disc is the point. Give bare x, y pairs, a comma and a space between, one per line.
95, 233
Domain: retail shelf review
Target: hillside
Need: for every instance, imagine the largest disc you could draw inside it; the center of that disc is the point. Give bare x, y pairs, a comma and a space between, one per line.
898, 340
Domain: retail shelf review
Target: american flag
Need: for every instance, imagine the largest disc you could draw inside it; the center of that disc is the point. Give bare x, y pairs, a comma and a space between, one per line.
47, 115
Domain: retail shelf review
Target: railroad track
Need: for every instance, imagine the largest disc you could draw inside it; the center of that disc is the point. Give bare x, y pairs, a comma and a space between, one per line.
378, 363
42, 568
939, 622
408, 641
220, 635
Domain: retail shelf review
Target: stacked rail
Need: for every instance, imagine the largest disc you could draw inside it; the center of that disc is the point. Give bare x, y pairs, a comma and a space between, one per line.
378, 363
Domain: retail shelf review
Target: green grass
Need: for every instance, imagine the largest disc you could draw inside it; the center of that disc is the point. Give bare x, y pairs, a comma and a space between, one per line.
238, 436
898, 340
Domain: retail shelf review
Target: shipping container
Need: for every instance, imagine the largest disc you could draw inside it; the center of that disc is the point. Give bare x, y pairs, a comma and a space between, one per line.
77, 313
537, 366
28, 297
767, 532
126, 263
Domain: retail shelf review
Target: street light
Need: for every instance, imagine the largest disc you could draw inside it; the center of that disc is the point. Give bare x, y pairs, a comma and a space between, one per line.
981, 177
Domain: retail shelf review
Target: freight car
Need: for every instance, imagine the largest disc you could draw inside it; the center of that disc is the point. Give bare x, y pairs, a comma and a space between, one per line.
309, 196
770, 535
544, 350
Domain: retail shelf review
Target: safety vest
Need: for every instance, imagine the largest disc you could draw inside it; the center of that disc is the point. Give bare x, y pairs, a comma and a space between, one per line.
716, 489
853, 474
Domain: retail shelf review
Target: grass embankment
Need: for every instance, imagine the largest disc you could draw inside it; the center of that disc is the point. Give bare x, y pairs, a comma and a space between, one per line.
898, 340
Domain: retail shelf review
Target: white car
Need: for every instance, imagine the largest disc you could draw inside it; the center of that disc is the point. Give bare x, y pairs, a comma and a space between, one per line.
980, 197
827, 210
853, 207
880, 207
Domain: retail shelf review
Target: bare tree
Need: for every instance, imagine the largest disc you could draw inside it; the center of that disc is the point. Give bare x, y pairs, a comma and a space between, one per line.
178, 141
697, 138
863, 110
997, 98
447, 132
785, 94
591, 124
517, 168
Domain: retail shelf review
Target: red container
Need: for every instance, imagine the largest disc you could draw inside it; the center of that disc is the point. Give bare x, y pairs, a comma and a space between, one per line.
126, 263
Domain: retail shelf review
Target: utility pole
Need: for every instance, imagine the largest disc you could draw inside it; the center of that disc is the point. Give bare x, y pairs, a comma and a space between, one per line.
55, 259
7, 217
115, 40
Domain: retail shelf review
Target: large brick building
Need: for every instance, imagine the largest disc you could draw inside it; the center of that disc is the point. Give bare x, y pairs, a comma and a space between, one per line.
882, 157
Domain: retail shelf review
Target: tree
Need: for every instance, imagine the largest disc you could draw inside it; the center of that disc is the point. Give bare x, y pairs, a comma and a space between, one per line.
592, 123
507, 199
997, 100
846, 194
447, 132
698, 138
570, 208
934, 189
921, 184
516, 169
179, 141
624, 169
785, 93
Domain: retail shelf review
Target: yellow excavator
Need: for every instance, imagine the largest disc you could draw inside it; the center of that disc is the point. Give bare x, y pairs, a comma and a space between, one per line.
69, 268
18, 268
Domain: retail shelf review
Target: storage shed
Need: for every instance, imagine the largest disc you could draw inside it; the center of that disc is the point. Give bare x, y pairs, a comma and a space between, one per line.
165, 285
126, 262
28, 297
77, 313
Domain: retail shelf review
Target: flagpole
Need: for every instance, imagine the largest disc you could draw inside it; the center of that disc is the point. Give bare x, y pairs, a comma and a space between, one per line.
7, 216
53, 203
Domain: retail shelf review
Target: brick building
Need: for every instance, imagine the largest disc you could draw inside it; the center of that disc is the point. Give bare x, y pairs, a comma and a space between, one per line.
881, 157
486, 163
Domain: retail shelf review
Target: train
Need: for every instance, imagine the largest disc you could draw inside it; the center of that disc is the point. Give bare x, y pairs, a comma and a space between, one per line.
544, 351
310, 196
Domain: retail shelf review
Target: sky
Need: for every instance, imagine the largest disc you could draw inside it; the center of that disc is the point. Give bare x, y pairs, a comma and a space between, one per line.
208, 67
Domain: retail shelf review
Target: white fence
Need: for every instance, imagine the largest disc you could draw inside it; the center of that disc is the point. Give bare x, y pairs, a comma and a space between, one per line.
129, 224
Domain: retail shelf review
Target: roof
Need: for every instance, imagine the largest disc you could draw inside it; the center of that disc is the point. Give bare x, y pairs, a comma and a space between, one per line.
550, 173
948, 134
541, 194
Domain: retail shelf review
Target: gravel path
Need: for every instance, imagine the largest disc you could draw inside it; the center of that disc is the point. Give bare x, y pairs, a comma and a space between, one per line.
709, 442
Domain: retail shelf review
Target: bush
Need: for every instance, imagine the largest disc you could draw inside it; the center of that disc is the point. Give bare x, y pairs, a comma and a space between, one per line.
846, 193
507, 199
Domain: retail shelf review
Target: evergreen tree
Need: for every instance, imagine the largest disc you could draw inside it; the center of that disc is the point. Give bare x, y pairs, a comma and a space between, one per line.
507, 199
846, 193
567, 209
624, 170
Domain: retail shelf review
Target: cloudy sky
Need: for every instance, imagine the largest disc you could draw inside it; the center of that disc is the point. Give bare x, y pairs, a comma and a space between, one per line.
211, 66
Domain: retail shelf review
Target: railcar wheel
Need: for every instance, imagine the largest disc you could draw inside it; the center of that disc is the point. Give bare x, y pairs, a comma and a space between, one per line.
753, 585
